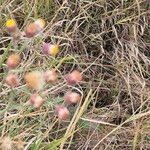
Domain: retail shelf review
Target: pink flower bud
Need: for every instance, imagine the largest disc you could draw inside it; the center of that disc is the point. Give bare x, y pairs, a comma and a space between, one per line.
62, 112
31, 30
13, 61
12, 80
36, 100
51, 76
74, 77
72, 97
46, 48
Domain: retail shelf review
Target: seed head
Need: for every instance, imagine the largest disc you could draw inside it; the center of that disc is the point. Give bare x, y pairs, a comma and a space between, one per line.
31, 30
12, 80
51, 76
13, 61
36, 100
62, 112
72, 97
34, 80
46, 48
74, 77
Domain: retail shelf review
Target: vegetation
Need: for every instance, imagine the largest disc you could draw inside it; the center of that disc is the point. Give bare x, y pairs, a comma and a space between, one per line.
108, 42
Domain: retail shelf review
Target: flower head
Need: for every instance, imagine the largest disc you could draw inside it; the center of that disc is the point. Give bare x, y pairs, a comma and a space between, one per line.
74, 77
51, 76
34, 28
13, 61
36, 100
51, 49
40, 24
34, 80
62, 112
12, 80
72, 97
11, 25
54, 50
31, 30
46, 48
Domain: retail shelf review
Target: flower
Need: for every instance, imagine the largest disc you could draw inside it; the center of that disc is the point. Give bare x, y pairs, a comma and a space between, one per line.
51, 76
13, 61
72, 97
11, 25
54, 50
74, 77
40, 24
62, 112
12, 80
36, 100
45, 48
31, 30
51, 49
34, 80
34, 28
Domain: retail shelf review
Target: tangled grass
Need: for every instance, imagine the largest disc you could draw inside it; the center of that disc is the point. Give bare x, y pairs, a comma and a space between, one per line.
109, 41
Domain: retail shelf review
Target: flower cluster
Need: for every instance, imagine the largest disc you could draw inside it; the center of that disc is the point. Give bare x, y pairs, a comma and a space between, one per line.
35, 80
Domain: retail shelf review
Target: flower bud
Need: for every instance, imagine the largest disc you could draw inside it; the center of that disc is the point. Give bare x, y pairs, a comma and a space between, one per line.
46, 48
62, 112
40, 24
34, 80
72, 97
12, 80
74, 77
11, 25
50, 49
31, 30
13, 61
36, 100
51, 76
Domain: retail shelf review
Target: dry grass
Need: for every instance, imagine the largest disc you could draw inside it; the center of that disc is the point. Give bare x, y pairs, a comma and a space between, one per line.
109, 41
